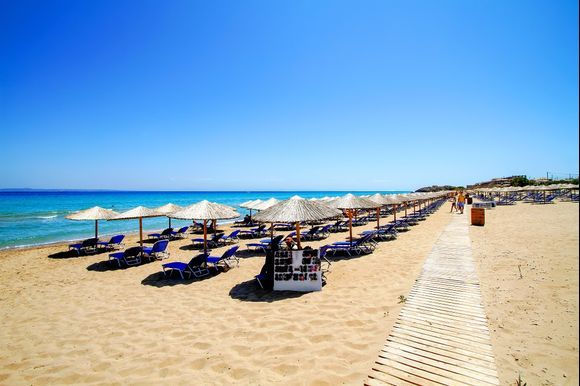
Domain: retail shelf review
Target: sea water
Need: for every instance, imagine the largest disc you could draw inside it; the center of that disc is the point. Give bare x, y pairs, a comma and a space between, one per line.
38, 217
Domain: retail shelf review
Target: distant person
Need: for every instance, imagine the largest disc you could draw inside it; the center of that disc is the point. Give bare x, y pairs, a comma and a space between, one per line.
453, 204
247, 219
461, 202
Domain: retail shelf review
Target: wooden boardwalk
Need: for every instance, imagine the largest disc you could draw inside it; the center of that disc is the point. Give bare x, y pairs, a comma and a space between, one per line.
441, 336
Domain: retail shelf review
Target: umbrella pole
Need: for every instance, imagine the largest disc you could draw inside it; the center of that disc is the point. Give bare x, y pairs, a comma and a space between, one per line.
141, 231
350, 225
96, 229
298, 234
395, 211
169, 222
205, 236
378, 218
405, 203
271, 231
544, 196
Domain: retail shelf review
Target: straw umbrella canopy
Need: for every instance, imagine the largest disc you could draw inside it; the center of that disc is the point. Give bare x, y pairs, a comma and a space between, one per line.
140, 213
266, 204
394, 200
205, 210
350, 202
168, 209
95, 213
380, 200
295, 210
250, 205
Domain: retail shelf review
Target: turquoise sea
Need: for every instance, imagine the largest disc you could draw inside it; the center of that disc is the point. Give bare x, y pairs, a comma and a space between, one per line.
37, 217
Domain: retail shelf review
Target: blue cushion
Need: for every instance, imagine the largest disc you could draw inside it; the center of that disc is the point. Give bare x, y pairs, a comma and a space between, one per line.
176, 265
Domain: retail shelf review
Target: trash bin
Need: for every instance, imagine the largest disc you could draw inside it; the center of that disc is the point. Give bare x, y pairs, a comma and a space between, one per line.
469, 200
478, 216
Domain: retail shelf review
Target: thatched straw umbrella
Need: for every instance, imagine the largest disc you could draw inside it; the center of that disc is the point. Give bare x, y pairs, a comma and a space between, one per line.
394, 200
205, 210
95, 213
380, 200
140, 213
266, 204
296, 210
350, 202
168, 209
250, 205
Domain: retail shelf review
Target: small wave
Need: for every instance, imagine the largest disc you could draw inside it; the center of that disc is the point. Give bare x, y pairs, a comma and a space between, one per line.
47, 217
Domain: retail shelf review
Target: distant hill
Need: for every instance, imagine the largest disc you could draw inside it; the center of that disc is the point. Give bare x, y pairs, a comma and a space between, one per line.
437, 188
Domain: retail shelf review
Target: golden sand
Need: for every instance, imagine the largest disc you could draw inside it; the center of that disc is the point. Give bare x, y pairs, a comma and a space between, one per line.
73, 321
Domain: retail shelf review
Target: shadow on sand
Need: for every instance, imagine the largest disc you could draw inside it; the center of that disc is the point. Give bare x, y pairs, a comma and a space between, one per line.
250, 291
111, 265
158, 279
72, 254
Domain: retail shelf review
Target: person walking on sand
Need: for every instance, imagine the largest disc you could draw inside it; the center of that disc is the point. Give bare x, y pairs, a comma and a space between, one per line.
461, 202
453, 204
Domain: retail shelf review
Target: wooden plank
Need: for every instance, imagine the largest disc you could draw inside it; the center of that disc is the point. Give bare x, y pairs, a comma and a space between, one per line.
405, 374
438, 340
448, 334
419, 372
446, 308
425, 315
451, 337
455, 305
447, 315
468, 291
444, 356
474, 297
381, 378
438, 297
458, 373
401, 337
477, 336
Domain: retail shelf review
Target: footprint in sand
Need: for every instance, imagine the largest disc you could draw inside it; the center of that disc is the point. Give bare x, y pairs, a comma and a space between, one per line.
242, 350
356, 346
354, 323
284, 369
198, 364
201, 345
320, 338
239, 374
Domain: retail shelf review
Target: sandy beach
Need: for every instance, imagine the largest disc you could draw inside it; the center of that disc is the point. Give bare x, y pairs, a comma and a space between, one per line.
74, 321
527, 259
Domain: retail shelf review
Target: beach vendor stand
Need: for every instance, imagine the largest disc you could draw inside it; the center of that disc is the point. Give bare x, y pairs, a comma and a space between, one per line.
295, 270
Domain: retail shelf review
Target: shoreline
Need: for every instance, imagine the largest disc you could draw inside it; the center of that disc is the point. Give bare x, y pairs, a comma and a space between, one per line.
108, 235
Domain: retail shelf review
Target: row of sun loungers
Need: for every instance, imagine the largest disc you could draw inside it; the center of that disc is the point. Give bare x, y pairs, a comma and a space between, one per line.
368, 240
93, 245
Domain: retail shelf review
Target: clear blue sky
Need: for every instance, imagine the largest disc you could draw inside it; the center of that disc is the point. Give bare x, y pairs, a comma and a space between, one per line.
258, 95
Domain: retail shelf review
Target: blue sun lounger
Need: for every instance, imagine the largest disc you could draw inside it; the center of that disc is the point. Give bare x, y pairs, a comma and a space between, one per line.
226, 259
358, 246
166, 234
196, 267
158, 251
116, 242
85, 247
131, 256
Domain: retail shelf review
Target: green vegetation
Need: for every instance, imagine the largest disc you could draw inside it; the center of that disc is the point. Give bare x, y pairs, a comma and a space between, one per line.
520, 381
520, 181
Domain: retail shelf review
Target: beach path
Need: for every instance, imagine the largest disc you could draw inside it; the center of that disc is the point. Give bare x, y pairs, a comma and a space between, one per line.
441, 336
